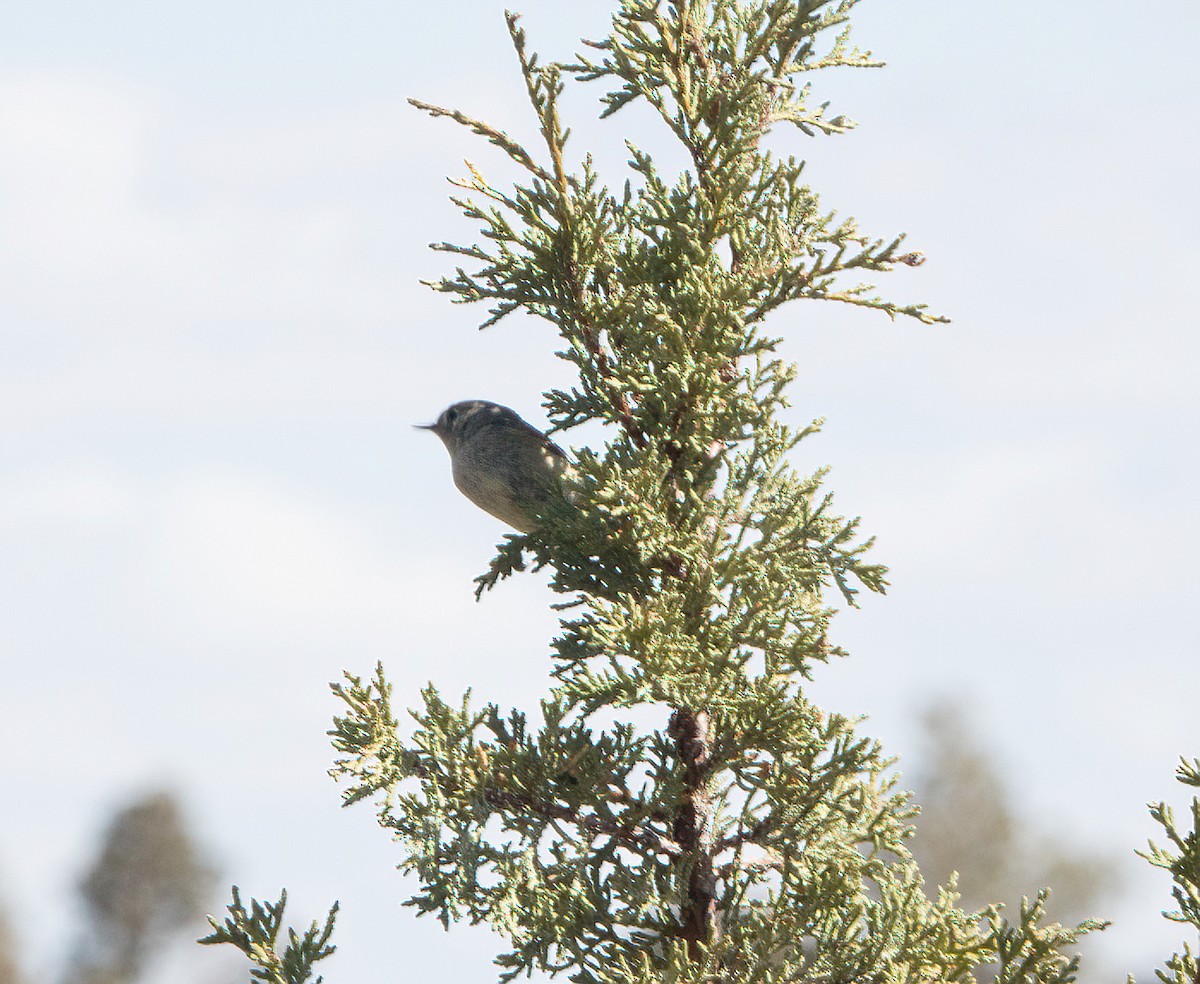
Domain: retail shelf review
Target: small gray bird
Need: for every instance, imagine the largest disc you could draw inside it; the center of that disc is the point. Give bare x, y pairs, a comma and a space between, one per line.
502, 464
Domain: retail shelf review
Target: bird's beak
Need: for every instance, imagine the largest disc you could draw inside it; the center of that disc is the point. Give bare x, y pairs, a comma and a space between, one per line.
425, 427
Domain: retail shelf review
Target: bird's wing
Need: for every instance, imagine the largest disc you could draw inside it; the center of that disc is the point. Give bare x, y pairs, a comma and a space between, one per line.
546, 443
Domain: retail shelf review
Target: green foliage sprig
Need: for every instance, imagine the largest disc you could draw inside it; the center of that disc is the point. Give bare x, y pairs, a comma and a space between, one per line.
1182, 860
1032, 950
255, 931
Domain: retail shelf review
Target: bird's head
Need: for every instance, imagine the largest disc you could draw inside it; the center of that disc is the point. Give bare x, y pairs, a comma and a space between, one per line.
460, 420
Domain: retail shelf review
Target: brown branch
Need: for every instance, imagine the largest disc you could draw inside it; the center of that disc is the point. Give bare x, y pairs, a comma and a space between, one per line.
626, 798
694, 827
728, 869
697, 50
591, 341
750, 836
503, 799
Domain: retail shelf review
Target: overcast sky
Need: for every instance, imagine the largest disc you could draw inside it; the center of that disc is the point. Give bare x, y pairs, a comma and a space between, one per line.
213, 221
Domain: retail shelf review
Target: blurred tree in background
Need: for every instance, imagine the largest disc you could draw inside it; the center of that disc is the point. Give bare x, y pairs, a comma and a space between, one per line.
10, 970
148, 883
968, 824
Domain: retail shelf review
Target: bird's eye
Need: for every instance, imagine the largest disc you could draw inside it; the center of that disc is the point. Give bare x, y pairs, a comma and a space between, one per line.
451, 416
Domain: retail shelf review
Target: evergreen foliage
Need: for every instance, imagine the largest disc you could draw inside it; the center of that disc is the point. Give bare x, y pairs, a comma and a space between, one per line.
255, 931
752, 836
1182, 860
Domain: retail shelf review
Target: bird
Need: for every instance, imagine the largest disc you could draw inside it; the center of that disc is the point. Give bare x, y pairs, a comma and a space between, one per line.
503, 464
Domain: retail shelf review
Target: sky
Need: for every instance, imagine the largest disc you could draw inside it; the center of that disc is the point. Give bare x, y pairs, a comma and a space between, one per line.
214, 222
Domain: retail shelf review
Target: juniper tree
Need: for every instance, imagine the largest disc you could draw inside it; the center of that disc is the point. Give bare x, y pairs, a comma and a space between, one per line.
750, 835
